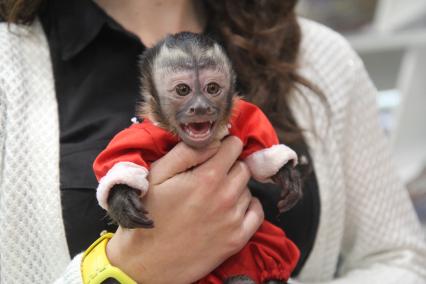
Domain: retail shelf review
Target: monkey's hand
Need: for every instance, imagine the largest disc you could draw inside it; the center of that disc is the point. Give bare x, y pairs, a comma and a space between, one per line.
289, 179
126, 209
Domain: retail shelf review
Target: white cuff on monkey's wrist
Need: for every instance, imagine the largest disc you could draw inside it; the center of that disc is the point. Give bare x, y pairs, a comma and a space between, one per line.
127, 173
265, 163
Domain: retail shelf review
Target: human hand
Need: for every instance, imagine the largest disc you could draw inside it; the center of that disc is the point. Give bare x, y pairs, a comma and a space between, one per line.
202, 211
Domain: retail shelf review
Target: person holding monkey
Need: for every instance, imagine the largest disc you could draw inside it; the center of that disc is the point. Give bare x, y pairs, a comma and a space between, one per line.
189, 95
79, 59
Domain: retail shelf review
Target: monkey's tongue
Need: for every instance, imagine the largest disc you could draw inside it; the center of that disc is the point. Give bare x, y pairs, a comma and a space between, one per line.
198, 130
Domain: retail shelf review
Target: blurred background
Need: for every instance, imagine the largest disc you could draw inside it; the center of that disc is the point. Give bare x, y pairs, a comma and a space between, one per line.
390, 37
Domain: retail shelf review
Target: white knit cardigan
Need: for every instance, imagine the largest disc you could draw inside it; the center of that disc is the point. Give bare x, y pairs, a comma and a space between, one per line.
368, 231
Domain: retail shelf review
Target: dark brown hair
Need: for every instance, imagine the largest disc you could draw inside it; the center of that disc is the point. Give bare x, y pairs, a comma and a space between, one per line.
262, 38
19, 11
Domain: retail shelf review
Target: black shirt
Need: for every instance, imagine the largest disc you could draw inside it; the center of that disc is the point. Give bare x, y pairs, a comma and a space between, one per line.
97, 85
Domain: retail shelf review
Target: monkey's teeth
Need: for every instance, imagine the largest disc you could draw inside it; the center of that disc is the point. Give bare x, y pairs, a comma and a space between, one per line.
198, 130
198, 135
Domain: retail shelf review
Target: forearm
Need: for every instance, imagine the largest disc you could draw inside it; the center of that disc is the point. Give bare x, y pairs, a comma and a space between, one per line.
2, 125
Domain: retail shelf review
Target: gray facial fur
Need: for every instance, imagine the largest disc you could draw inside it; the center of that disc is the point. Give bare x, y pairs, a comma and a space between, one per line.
180, 52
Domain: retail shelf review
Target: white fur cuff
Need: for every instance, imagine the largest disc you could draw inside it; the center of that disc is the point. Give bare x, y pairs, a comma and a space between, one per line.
265, 163
127, 173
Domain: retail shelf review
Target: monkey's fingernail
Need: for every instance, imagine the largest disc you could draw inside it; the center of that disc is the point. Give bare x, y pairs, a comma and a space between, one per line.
283, 209
281, 204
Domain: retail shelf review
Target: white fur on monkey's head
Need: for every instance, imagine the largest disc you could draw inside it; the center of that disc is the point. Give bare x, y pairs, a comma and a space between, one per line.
193, 50
184, 50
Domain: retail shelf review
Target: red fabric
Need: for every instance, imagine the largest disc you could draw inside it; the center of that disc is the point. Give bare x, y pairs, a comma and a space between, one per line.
141, 143
269, 254
253, 128
144, 143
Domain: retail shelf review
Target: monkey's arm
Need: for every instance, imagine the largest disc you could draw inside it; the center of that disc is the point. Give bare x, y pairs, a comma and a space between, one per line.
263, 154
122, 170
120, 191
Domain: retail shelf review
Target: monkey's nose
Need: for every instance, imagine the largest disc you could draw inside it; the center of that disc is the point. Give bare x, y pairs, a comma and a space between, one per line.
200, 110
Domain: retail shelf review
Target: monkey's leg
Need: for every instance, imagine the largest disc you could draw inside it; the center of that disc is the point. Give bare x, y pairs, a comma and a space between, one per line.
288, 178
126, 208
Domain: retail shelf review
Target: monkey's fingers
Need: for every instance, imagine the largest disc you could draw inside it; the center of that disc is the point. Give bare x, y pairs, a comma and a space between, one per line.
288, 178
288, 202
126, 208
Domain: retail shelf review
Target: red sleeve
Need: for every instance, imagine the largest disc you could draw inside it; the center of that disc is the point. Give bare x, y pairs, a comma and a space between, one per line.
134, 144
252, 126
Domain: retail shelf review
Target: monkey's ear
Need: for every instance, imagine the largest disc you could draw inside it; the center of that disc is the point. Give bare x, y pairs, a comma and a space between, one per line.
151, 110
236, 96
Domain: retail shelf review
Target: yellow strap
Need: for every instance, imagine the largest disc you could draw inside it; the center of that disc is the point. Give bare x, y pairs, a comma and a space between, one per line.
95, 266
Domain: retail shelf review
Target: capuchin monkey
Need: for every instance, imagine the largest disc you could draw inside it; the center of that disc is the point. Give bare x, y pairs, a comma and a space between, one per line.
189, 89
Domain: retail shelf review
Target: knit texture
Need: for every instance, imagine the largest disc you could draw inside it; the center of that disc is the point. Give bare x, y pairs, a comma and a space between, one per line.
33, 246
368, 231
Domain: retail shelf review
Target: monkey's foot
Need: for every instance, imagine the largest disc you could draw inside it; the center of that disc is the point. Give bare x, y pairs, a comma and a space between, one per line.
275, 282
239, 279
243, 279
126, 208
288, 178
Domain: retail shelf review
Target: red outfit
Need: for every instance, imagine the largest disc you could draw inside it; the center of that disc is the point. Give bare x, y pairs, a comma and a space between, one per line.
127, 158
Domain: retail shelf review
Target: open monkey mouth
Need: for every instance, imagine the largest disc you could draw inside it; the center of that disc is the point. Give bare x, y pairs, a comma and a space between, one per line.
198, 131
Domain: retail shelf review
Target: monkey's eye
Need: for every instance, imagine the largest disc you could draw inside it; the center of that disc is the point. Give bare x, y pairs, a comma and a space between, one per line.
213, 88
182, 89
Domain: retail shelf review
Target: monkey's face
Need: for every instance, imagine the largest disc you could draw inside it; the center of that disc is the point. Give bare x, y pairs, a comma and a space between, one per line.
195, 89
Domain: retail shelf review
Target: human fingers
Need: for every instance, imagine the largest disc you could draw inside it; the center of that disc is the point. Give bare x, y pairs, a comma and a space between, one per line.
252, 219
226, 156
234, 184
179, 159
243, 203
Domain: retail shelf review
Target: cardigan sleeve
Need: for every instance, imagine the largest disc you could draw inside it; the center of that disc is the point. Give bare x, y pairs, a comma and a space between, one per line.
2, 126
72, 274
382, 238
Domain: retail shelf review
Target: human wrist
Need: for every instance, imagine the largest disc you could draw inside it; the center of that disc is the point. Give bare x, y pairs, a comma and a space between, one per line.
96, 267
126, 251
116, 253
